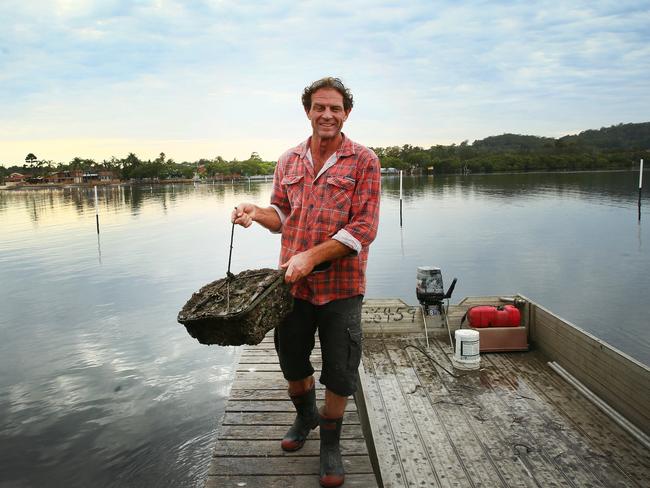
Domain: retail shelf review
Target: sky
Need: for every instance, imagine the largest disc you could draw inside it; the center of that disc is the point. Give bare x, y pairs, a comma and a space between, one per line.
199, 79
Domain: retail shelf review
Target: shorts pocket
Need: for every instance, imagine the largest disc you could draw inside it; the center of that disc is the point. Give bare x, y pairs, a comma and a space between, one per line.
354, 349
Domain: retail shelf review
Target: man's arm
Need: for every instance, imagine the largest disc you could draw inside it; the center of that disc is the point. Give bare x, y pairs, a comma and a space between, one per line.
362, 227
301, 264
247, 213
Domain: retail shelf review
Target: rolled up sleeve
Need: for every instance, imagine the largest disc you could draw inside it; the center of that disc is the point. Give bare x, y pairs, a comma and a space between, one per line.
364, 211
279, 199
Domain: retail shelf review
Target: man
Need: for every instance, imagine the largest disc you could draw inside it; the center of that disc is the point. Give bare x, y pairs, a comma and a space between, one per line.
325, 202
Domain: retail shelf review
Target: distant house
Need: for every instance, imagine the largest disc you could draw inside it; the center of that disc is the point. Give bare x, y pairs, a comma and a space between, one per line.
107, 176
61, 177
77, 177
100, 176
16, 178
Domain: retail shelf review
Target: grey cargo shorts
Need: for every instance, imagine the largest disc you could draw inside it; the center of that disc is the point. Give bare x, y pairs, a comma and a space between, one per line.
339, 330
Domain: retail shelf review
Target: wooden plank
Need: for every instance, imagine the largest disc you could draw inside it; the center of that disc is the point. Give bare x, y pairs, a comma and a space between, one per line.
571, 450
493, 426
444, 461
533, 444
391, 470
408, 445
265, 448
258, 375
384, 302
265, 348
284, 405
513, 449
253, 361
271, 353
467, 434
270, 368
276, 383
295, 481
259, 385
388, 317
230, 466
276, 432
274, 418
265, 394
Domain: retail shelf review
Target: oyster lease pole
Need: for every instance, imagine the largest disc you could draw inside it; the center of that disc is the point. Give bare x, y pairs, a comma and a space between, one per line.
640, 186
400, 198
96, 210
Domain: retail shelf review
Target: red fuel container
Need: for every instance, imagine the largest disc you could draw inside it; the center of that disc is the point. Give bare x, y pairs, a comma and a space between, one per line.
489, 316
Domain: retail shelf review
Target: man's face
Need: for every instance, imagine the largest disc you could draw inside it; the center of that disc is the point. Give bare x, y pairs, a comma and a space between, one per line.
326, 113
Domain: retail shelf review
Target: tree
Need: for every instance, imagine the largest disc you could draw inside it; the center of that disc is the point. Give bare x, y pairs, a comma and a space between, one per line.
30, 158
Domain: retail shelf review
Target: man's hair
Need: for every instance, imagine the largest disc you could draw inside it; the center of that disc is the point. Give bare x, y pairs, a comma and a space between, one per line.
328, 82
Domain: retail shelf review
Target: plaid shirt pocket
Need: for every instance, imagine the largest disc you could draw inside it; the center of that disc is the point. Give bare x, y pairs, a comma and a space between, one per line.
340, 190
294, 189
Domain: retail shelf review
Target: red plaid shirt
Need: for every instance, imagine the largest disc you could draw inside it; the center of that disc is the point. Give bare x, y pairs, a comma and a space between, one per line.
341, 203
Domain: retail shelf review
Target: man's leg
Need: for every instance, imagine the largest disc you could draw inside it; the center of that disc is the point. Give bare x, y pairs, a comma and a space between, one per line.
303, 396
334, 405
294, 341
339, 329
301, 386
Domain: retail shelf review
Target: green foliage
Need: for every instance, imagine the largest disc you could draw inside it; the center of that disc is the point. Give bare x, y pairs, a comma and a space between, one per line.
621, 136
617, 147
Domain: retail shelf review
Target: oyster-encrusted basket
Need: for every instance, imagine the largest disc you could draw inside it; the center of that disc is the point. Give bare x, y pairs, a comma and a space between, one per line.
239, 309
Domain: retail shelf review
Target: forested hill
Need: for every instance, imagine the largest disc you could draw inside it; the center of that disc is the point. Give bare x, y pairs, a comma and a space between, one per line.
621, 136
513, 142
616, 147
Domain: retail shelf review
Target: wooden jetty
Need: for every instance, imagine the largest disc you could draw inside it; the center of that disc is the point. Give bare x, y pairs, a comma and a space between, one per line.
417, 422
258, 413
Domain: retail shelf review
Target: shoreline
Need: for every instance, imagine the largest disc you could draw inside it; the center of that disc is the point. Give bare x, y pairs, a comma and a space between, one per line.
63, 186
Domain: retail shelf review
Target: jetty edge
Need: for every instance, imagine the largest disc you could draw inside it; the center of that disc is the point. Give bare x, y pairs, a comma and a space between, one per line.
415, 421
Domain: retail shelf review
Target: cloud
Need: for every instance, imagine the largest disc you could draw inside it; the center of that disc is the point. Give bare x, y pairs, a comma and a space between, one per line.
422, 73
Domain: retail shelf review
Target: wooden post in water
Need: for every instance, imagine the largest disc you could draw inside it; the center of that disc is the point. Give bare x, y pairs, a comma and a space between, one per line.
400, 198
640, 186
96, 209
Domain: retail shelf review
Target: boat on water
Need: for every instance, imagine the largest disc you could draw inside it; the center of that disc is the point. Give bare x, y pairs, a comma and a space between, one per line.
556, 408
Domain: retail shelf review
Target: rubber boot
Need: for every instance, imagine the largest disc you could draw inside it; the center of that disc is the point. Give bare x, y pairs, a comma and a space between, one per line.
306, 420
331, 464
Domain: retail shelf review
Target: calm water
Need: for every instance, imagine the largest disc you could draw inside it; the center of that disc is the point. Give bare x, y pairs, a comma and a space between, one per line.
101, 387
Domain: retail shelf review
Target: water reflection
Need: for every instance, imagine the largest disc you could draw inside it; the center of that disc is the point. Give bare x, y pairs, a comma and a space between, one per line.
619, 186
114, 198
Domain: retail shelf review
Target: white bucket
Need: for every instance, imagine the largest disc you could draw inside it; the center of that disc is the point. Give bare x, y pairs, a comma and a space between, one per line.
467, 355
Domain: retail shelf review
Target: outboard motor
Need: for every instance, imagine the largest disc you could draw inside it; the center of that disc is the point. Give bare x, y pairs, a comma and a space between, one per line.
430, 291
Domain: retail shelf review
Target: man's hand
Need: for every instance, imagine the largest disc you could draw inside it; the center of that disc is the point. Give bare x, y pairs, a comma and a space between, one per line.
298, 267
244, 214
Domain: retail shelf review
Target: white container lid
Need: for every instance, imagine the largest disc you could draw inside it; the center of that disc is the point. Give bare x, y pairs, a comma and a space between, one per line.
466, 334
